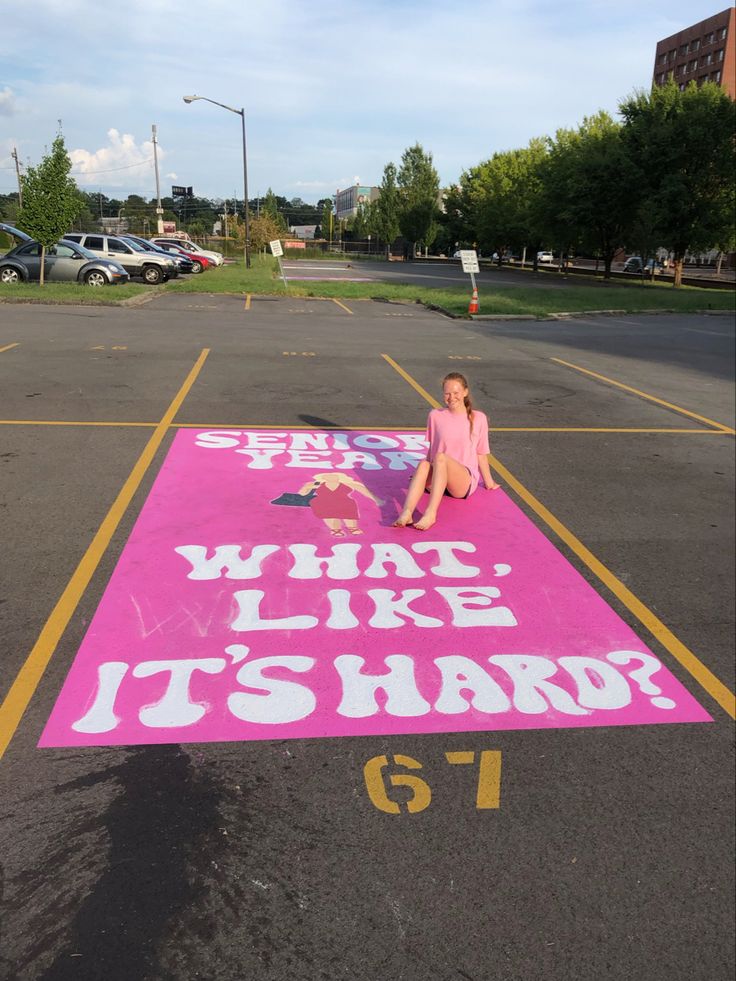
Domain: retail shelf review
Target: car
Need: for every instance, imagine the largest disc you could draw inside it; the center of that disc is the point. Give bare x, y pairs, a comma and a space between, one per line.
545, 257
199, 262
184, 265
213, 258
64, 262
635, 264
151, 268
15, 233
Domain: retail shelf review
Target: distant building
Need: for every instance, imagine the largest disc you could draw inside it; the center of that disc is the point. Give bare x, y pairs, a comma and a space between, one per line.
302, 231
349, 200
705, 52
113, 226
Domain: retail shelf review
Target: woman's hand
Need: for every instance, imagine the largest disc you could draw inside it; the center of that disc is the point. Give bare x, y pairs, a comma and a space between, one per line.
493, 486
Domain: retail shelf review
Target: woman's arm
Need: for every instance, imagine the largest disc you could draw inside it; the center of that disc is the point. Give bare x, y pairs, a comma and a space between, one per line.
429, 436
485, 472
307, 487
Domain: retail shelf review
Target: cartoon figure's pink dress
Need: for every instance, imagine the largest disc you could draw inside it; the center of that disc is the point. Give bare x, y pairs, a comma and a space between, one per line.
335, 503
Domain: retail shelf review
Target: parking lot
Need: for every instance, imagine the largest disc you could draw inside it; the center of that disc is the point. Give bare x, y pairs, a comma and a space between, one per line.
555, 843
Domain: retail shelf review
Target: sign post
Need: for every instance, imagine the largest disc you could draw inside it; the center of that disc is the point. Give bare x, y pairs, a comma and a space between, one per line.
469, 260
277, 251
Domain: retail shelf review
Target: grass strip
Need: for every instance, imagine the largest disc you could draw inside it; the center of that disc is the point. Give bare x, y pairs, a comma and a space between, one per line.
262, 278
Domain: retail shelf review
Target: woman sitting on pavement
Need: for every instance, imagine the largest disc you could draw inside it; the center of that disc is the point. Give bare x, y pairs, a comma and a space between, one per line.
457, 455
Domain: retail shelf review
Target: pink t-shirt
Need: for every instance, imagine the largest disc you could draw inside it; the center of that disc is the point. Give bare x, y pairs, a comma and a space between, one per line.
449, 432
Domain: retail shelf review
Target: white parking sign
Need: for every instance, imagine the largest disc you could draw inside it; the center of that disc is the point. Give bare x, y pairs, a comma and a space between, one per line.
469, 259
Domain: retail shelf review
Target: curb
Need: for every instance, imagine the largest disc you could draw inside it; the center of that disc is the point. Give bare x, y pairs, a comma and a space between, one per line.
138, 301
131, 301
434, 308
564, 315
42, 301
506, 316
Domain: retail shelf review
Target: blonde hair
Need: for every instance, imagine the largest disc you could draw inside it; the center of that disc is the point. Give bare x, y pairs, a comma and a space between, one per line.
456, 376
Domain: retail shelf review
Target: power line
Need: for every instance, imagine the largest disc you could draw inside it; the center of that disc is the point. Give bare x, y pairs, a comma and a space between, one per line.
84, 173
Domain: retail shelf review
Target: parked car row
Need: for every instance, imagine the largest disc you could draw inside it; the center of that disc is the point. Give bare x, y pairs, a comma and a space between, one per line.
64, 262
100, 260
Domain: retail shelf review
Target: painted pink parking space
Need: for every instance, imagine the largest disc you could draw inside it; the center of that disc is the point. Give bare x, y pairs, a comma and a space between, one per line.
229, 617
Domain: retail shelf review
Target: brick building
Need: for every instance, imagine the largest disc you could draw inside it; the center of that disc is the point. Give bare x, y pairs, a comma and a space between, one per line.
705, 52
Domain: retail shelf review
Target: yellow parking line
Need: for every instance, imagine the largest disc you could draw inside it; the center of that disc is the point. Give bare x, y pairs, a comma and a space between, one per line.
645, 395
8, 346
414, 384
604, 429
248, 297
703, 675
346, 309
26, 682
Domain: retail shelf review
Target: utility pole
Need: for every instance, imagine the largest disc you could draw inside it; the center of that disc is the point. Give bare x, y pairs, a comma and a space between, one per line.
225, 217
159, 209
14, 155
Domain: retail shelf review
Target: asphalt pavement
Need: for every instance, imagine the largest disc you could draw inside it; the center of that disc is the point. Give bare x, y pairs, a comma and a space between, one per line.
608, 852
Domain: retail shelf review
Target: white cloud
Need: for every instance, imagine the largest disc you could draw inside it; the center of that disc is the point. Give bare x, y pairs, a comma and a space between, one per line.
172, 176
121, 163
7, 101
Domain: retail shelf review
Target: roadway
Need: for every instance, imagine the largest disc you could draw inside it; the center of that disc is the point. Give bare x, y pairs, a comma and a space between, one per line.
442, 272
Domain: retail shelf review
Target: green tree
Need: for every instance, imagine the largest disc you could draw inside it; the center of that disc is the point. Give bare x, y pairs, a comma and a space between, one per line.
682, 146
590, 189
458, 220
360, 223
50, 199
263, 229
419, 187
496, 205
272, 207
383, 216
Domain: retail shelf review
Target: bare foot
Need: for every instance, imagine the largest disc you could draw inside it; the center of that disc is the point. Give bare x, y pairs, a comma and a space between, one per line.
403, 520
426, 521
356, 531
338, 533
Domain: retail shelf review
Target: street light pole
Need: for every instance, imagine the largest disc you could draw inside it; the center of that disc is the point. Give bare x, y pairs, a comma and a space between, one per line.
245, 190
238, 112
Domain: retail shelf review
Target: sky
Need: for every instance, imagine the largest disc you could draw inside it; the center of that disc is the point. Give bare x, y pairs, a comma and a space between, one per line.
332, 89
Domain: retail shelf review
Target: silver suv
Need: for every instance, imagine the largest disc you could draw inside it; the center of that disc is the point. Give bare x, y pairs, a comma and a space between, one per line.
151, 268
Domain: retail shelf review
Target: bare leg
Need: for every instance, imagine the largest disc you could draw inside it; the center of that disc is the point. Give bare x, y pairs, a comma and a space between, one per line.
334, 525
416, 489
352, 525
447, 474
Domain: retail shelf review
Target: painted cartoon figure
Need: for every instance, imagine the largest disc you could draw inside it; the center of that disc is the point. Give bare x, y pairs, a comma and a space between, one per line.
333, 501
457, 455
